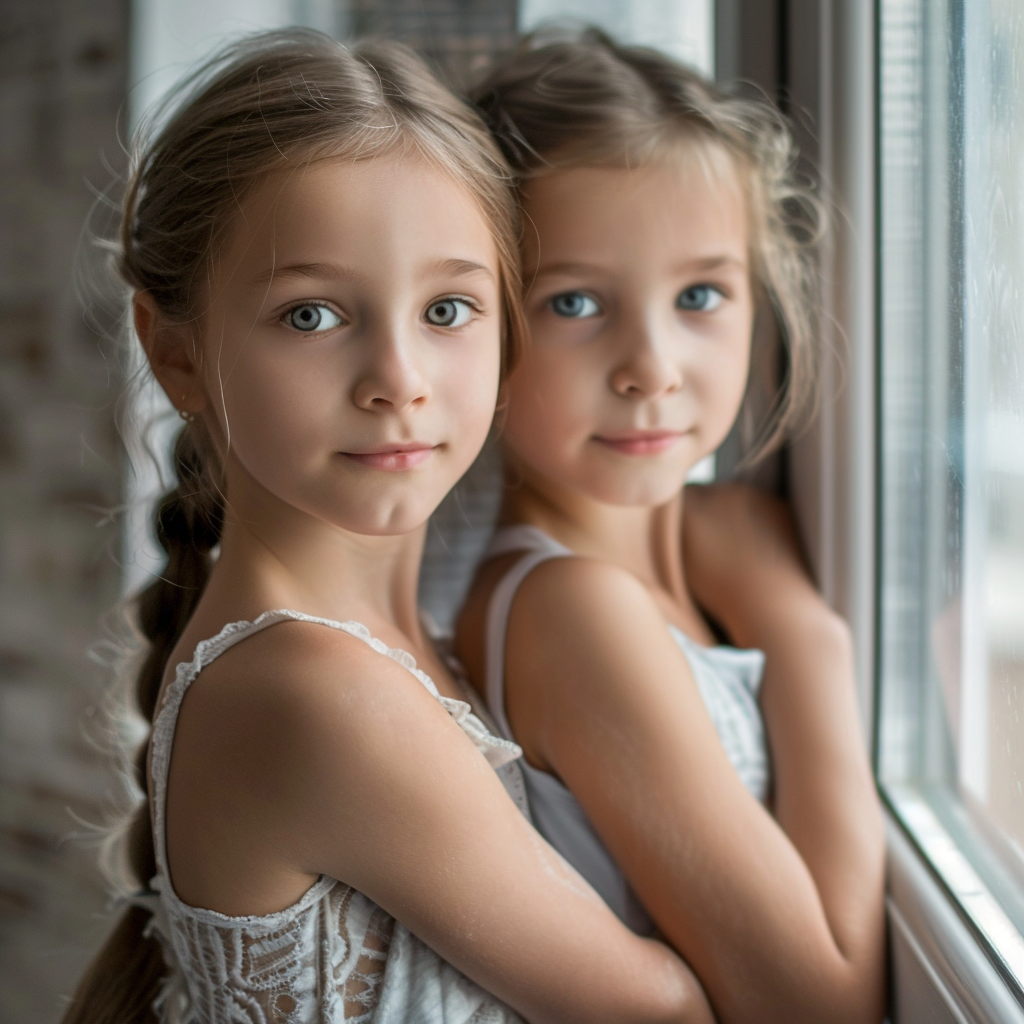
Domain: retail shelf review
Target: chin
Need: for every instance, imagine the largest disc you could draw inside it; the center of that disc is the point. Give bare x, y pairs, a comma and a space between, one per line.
371, 515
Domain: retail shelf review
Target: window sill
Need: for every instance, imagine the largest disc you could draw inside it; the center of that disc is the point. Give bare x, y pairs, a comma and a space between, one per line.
940, 972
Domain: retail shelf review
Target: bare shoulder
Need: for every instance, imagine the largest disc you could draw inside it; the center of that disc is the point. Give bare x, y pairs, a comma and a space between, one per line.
562, 598
746, 566
733, 529
295, 719
588, 644
283, 747
309, 688
579, 625
582, 593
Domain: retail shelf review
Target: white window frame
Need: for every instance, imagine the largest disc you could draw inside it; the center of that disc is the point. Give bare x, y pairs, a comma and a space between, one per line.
940, 969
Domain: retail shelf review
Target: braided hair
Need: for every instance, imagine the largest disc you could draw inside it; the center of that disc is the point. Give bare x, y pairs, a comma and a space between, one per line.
257, 104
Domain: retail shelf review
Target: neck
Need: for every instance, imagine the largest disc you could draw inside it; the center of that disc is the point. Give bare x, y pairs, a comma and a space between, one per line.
273, 555
645, 540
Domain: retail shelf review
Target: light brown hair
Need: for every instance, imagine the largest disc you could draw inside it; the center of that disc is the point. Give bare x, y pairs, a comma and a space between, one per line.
575, 98
262, 103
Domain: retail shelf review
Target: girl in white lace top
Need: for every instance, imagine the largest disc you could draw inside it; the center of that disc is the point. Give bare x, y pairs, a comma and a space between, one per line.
663, 214
321, 249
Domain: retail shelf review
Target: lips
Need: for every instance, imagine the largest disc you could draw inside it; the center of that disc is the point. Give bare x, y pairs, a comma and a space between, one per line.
640, 442
393, 458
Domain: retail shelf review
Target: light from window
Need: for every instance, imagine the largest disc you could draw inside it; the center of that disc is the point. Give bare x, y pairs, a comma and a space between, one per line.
951, 735
684, 29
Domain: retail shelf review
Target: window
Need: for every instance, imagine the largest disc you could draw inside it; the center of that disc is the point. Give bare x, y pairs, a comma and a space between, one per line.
951, 473
682, 28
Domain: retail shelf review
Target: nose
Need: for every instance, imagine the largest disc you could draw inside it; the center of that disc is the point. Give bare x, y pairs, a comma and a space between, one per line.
393, 376
648, 366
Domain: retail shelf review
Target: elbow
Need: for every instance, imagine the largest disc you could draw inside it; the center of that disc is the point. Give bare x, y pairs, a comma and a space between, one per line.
835, 631
676, 996
839, 992
857, 997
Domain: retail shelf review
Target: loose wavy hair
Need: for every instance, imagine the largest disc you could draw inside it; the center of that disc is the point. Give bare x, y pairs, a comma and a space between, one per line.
575, 98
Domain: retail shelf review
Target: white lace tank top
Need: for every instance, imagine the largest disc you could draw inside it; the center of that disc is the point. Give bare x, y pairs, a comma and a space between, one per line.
333, 956
728, 680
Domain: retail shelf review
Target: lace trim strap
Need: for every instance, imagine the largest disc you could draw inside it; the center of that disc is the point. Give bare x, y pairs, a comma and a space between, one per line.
497, 751
541, 548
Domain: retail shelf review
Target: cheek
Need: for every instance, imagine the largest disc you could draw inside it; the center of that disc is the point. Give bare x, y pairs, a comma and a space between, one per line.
466, 389
722, 386
281, 412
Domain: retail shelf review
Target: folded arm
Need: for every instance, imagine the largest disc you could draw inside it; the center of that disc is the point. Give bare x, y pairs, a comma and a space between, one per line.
596, 681
370, 781
745, 567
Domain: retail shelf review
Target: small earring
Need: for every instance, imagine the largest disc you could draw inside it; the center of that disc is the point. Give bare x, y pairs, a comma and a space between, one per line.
187, 416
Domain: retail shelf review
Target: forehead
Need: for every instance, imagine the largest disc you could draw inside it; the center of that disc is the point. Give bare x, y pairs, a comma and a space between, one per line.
680, 205
337, 209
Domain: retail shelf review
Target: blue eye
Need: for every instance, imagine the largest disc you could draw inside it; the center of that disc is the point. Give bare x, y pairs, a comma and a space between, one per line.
574, 305
311, 317
449, 312
699, 298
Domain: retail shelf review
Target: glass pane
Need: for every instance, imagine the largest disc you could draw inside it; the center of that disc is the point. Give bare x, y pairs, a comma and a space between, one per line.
682, 28
951, 739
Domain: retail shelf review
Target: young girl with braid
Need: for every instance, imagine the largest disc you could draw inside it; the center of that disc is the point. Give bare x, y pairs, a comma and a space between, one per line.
320, 246
660, 217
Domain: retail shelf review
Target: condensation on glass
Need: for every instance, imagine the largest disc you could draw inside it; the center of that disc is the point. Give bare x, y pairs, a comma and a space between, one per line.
951, 735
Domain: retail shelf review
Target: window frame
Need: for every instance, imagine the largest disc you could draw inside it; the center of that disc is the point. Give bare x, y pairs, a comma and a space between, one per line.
942, 967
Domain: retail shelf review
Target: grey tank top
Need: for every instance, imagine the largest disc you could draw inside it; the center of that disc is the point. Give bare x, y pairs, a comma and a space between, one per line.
728, 680
332, 957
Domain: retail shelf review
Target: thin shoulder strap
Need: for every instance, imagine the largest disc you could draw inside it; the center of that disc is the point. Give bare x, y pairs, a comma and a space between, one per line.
208, 651
539, 547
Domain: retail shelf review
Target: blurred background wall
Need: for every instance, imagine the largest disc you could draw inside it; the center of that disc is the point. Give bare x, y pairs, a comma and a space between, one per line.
64, 75
74, 76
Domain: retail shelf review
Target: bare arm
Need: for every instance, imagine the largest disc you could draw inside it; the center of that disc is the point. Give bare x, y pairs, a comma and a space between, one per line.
744, 565
367, 779
596, 681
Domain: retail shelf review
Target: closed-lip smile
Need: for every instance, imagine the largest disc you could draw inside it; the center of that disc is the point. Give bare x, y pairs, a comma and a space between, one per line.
640, 442
393, 456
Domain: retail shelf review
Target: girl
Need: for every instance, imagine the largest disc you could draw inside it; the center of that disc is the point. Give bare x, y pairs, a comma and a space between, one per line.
660, 217
320, 247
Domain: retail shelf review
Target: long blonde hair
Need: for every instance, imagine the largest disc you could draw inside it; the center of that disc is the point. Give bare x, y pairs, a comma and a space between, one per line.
258, 104
572, 97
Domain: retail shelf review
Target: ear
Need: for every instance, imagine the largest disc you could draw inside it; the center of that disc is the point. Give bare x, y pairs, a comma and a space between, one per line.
173, 355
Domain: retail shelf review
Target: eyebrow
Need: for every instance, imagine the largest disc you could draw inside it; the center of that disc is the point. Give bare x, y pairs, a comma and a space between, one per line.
317, 271
337, 272
459, 268
704, 264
